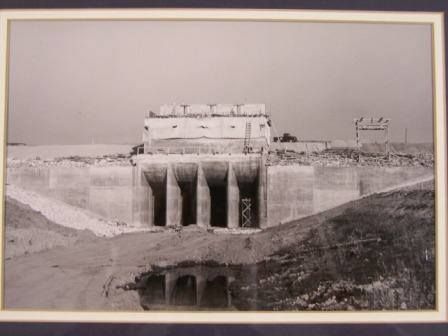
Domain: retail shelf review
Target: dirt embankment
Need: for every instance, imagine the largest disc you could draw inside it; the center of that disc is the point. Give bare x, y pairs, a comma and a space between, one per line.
28, 231
69, 216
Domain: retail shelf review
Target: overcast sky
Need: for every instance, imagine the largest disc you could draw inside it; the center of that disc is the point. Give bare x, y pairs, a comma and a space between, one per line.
76, 82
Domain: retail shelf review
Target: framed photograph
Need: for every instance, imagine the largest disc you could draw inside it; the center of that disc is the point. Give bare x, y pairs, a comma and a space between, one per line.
223, 166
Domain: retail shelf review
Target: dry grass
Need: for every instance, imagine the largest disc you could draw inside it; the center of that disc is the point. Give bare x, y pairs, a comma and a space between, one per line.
377, 255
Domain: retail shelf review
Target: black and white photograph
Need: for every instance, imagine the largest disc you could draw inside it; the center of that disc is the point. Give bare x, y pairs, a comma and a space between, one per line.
220, 166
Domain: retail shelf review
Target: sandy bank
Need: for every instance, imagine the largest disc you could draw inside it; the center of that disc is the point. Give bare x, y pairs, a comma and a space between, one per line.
28, 231
67, 215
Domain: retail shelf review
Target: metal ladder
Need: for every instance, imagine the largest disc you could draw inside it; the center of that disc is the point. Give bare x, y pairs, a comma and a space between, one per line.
247, 137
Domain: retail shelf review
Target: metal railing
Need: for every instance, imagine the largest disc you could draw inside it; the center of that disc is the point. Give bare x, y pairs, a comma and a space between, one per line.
207, 149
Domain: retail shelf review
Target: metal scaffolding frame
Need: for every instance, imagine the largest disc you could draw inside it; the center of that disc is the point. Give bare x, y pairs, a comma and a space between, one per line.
372, 124
246, 212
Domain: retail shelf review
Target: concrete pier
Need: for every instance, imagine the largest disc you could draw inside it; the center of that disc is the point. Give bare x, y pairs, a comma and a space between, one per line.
203, 202
201, 283
233, 199
262, 194
173, 199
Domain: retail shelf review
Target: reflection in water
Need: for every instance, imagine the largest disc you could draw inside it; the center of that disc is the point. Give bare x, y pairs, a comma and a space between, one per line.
192, 288
153, 290
339, 279
215, 294
184, 293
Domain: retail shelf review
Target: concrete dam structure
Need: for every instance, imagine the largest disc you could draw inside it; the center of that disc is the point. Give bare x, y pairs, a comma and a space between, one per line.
204, 129
203, 164
206, 165
125, 193
203, 189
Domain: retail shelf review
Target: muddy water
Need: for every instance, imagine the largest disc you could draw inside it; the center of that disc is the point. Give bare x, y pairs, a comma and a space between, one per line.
379, 255
334, 279
196, 287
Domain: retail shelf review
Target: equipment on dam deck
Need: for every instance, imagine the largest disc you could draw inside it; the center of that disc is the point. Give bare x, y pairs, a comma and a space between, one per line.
372, 124
246, 212
286, 137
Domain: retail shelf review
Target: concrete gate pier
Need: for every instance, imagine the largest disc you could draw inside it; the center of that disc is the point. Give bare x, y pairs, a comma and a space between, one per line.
203, 189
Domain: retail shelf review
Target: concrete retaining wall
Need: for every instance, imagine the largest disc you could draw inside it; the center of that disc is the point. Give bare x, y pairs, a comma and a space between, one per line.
111, 192
299, 191
123, 193
203, 146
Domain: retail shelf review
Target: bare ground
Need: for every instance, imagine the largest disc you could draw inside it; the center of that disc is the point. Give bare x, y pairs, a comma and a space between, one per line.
28, 231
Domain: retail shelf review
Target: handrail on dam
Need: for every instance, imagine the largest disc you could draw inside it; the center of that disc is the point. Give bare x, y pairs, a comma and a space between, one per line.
210, 149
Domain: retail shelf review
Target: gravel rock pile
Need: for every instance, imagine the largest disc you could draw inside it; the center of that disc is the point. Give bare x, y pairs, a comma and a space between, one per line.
349, 158
72, 161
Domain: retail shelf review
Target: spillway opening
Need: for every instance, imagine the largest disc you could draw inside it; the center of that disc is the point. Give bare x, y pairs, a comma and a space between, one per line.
248, 207
188, 194
218, 211
159, 207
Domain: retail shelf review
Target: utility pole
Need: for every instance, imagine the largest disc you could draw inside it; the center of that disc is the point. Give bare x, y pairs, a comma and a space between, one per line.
406, 136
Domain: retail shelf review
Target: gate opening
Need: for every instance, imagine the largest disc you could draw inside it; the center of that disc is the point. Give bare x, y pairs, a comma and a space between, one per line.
218, 211
188, 193
159, 207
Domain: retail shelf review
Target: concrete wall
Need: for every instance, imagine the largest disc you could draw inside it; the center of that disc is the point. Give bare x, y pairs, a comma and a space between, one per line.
203, 146
299, 191
112, 192
123, 193
212, 128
